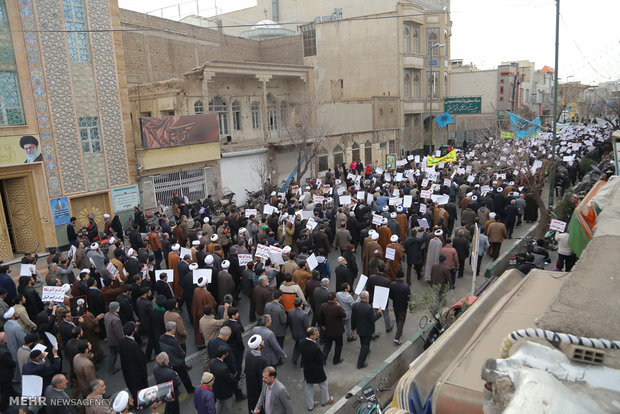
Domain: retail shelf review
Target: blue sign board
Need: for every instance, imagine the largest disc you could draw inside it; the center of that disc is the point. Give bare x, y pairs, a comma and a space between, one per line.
60, 211
432, 62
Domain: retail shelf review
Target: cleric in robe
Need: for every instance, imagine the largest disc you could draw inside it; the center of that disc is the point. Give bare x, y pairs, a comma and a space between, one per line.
31, 148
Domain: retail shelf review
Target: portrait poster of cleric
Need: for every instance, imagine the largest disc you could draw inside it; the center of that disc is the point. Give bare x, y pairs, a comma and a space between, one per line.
160, 392
171, 131
31, 148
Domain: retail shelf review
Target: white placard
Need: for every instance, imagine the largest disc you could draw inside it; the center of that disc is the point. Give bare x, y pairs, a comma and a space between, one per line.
312, 262
440, 199
380, 298
202, 273
379, 170
72, 251
422, 208
32, 385
369, 198
567, 158
361, 195
447, 182
340, 190
169, 273
39, 347
376, 219
345, 200
27, 270
471, 179
250, 212
268, 209
387, 177
276, 258
417, 158
317, 199
409, 157
262, 251
350, 176
186, 251
425, 182
395, 201
408, 199
425, 193
360, 284
485, 189
557, 225
390, 253
396, 192
399, 177
400, 163
437, 153
311, 224
306, 214
423, 223
244, 259
52, 294
52, 340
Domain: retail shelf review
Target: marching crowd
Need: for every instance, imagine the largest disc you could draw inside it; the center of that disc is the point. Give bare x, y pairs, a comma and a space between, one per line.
134, 285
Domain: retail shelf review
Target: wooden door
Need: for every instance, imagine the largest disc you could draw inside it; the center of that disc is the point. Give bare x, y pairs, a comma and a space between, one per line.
19, 205
95, 205
6, 251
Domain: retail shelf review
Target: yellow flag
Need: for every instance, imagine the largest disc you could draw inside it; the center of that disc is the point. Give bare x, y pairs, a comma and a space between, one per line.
449, 157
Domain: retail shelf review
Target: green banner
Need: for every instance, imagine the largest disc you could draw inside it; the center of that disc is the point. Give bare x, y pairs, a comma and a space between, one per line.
507, 134
465, 105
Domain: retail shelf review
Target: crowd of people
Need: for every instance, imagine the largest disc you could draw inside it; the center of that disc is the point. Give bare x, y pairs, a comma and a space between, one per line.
420, 214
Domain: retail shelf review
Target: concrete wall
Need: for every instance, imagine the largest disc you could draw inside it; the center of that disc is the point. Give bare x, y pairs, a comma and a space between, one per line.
345, 118
479, 83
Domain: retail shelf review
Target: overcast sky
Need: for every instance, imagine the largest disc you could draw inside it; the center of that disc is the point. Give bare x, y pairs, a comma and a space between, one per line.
487, 32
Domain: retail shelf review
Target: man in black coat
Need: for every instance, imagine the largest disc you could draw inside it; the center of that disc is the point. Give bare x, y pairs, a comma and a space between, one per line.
133, 361
225, 383
94, 298
414, 247
379, 279
461, 245
255, 363
158, 325
163, 373
332, 318
400, 295
343, 274
135, 238
363, 319
297, 320
319, 297
221, 341
144, 306
235, 341
510, 216
171, 346
314, 373
125, 311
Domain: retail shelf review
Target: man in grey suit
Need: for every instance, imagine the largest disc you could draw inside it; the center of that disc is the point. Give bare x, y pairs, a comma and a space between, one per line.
298, 322
272, 351
274, 398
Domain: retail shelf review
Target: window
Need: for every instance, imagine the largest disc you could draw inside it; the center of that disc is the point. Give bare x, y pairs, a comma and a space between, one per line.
90, 134
416, 83
338, 155
434, 84
272, 113
407, 38
322, 159
11, 112
145, 114
415, 38
407, 84
75, 25
255, 108
166, 113
236, 114
355, 151
218, 105
283, 113
368, 152
445, 84
308, 34
199, 107
432, 37
392, 149
380, 111
501, 90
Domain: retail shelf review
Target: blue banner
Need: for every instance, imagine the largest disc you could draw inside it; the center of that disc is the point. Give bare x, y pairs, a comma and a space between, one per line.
444, 119
524, 128
60, 211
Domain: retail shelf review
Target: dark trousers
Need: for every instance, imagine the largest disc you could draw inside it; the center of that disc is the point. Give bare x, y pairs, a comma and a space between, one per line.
151, 345
252, 315
112, 354
479, 264
328, 347
510, 226
280, 340
173, 407
452, 277
158, 258
461, 266
400, 316
364, 349
187, 381
495, 248
418, 270
568, 261
519, 217
296, 351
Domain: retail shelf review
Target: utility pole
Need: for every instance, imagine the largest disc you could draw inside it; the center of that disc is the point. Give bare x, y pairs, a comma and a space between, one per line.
431, 85
555, 103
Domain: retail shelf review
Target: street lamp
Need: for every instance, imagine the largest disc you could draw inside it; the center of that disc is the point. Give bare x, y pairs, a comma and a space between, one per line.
430, 91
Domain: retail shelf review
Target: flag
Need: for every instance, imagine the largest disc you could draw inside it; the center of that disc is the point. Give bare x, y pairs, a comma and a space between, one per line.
524, 128
444, 119
449, 157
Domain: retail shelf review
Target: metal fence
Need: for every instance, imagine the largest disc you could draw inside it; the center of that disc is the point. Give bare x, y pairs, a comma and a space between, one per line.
193, 184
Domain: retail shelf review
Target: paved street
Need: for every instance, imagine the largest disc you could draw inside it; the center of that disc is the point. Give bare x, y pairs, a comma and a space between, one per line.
342, 378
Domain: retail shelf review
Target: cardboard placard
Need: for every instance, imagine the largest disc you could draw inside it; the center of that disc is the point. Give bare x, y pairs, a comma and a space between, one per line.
407, 201
27, 269
199, 274
557, 225
312, 262
53, 294
262, 251
422, 208
345, 200
395, 201
250, 212
380, 298
423, 223
244, 259
369, 198
377, 220
276, 258
425, 193
360, 284
390, 253
360, 195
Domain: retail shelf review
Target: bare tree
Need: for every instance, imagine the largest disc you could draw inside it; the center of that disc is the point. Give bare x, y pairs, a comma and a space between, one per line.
569, 95
610, 103
260, 168
306, 137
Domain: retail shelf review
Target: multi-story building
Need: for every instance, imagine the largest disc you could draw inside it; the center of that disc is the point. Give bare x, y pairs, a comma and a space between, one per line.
63, 125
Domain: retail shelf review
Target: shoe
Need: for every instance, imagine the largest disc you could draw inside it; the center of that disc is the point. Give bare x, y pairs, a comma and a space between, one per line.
364, 365
329, 402
375, 336
351, 339
397, 342
294, 363
388, 330
314, 406
339, 361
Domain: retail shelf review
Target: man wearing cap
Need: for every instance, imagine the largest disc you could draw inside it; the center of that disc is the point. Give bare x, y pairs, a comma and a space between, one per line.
369, 249
225, 282
202, 297
173, 263
122, 402
272, 351
38, 367
95, 255
14, 331
432, 256
204, 400
114, 334
31, 148
133, 361
255, 363
394, 264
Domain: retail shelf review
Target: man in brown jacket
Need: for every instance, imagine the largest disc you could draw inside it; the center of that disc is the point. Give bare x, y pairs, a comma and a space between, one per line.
155, 245
301, 277
172, 315
84, 368
497, 233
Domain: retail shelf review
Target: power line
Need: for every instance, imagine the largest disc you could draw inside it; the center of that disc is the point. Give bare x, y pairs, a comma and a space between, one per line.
581, 52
